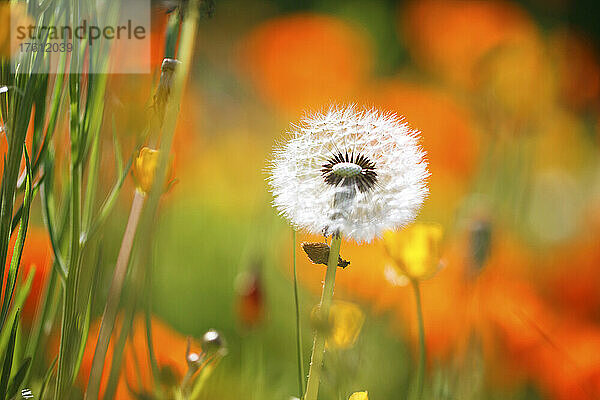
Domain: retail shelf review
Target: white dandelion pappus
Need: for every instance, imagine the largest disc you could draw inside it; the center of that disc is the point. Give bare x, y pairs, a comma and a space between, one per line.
349, 171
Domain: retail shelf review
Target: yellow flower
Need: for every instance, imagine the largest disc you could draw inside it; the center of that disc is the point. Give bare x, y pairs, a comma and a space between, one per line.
359, 396
416, 250
345, 323
144, 169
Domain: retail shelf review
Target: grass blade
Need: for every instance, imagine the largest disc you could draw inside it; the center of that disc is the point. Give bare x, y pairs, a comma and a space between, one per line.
47, 378
8, 359
19, 377
19, 244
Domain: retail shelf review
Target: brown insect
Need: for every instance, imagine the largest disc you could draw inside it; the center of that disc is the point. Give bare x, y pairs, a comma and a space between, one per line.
319, 254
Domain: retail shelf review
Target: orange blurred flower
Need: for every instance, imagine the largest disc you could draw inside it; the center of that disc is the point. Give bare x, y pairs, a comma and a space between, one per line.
567, 365
170, 350
451, 36
571, 280
444, 122
497, 305
306, 60
450, 138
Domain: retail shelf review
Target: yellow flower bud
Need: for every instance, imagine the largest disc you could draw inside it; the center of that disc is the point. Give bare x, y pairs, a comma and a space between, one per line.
144, 169
416, 250
345, 323
359, 396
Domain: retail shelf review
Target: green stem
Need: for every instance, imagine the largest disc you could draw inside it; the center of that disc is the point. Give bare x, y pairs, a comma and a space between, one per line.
316, 361
68, 342
298, 326
422, 350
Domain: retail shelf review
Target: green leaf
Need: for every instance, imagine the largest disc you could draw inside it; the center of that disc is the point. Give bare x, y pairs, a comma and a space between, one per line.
8, 359
19, 377
47, 216
19, 244
20, 298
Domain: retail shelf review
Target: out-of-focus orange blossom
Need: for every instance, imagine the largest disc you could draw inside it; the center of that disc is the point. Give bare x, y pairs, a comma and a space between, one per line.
567, 365
170, 352
449, 136
498, 305
37, 253
451, 37
571, 280
447, 128
306, 60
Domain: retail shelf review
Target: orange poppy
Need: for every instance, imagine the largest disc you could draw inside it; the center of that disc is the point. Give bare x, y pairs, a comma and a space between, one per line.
169, 348
449, 136
447, 128
567, 365
451, 37
306, 60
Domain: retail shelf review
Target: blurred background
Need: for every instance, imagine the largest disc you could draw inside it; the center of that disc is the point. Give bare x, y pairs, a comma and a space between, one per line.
507, 97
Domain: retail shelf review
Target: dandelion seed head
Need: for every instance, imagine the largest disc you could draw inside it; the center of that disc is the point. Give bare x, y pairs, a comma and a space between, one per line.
350, 171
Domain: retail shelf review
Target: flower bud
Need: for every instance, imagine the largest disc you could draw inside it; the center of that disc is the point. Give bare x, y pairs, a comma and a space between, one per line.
144, 169
165, 84
250, 298
415, 250
480, 239
213, 344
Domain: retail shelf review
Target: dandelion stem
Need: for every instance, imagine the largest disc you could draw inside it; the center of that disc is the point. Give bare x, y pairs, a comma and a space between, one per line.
298, 327
316, 361
114, 295
422, 350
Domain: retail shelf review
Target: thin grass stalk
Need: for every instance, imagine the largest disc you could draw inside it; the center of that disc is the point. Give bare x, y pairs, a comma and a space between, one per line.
114, 295
316, 361
299, 355
420, 380
66, 359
